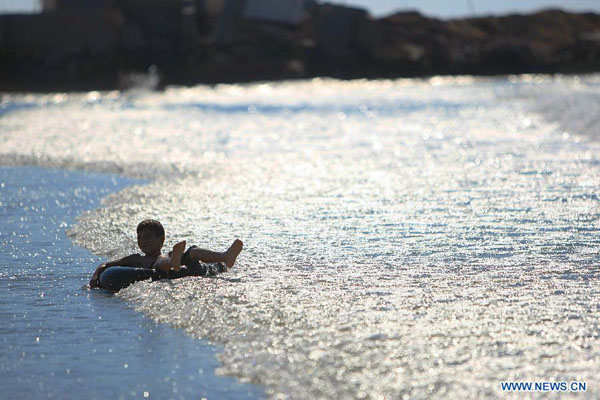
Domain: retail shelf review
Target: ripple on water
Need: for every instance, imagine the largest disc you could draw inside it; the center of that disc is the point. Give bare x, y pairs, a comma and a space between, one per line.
433, 243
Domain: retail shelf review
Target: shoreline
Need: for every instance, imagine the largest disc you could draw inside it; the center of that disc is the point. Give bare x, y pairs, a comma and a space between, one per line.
75, 89
192, 358
27, 159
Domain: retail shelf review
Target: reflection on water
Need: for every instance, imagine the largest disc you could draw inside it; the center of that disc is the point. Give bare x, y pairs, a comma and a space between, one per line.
420, 238
61, 341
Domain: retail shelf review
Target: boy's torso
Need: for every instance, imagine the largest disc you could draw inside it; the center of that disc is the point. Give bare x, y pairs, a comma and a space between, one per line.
139, 261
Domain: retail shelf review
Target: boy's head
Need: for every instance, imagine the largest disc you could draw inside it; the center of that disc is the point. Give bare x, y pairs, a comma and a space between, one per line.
150, 236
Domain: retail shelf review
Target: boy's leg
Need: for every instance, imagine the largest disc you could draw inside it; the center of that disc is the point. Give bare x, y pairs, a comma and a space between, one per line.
172, 261
228, 257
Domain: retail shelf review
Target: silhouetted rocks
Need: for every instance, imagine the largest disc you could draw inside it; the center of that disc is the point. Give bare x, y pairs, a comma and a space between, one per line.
548, 41
100, 47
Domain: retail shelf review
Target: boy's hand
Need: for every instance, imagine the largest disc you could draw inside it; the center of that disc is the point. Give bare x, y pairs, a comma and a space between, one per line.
93, 283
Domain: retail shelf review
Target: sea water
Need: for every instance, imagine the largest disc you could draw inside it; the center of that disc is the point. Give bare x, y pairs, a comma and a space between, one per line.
61, 341
403, 239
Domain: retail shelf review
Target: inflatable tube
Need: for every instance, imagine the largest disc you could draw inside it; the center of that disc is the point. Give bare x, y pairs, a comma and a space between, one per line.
117, 278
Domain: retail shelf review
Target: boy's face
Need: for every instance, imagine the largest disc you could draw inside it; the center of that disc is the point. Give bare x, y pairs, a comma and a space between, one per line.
149, 243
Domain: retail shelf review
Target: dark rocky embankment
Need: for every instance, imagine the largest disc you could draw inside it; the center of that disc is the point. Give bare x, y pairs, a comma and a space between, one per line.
95, 49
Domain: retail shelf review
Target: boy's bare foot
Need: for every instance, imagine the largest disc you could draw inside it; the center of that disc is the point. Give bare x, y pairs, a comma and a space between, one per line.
176, 255
232, 252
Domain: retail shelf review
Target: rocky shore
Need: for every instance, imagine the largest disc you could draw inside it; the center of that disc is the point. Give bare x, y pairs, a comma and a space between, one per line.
109, 47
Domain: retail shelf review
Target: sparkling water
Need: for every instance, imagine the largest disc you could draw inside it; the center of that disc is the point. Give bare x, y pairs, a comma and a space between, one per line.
409, 238
61, 341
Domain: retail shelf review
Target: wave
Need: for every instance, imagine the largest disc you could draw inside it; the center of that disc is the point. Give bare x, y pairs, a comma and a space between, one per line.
570, 102
387, 254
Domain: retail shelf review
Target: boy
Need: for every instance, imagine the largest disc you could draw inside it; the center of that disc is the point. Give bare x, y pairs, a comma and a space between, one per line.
150, 238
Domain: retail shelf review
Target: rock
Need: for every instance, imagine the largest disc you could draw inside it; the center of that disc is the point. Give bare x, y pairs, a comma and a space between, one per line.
228, 22
190, 45
131, 36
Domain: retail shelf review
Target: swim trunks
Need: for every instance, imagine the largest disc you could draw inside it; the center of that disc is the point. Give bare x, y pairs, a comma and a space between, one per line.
196, 268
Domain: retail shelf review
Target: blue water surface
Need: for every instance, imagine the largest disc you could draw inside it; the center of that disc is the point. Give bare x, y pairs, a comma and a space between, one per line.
58, 340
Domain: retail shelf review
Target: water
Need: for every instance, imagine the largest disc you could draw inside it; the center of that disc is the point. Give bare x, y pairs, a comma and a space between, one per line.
61, 341
410, 238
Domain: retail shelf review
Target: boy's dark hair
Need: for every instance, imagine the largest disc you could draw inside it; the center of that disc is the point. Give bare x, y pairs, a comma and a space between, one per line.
153, 225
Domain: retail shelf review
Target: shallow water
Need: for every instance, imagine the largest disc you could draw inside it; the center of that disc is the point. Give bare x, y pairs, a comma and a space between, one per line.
420, 238
61, 341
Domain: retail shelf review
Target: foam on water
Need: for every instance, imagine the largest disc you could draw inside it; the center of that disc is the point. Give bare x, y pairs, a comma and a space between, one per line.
58, 339
423, 238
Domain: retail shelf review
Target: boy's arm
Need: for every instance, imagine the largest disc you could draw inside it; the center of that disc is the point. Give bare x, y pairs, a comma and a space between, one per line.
94, 283
125, 261
163, 263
